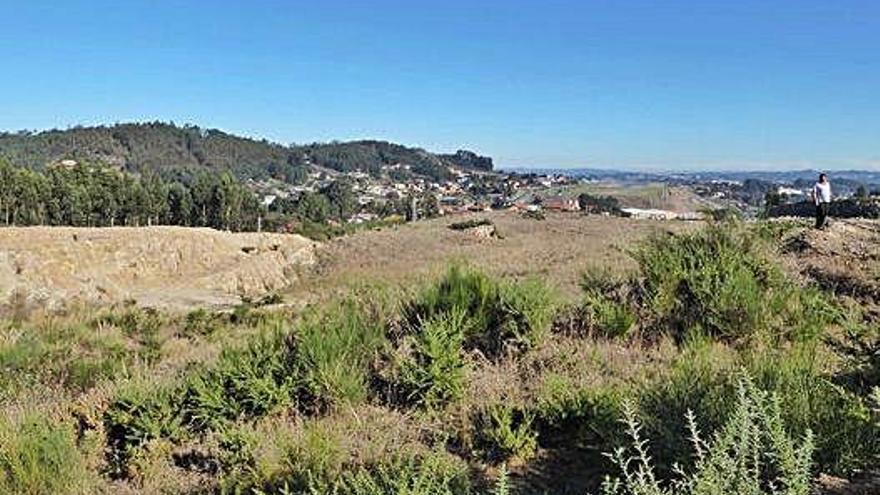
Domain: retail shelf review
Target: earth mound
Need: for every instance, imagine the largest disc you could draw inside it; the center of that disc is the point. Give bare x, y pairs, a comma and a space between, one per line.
154, 266
842, 257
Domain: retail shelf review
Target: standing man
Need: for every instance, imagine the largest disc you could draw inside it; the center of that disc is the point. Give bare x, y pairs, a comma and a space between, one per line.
822, 197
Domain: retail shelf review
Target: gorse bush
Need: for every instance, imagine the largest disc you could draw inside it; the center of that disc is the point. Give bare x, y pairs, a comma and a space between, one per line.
324, 361
334, 350
431, 370
702, 379
142, 325
607, 309
578, 416
139, 414
72, 354
720, 280
712, 279
502, 316
201, 323
434, 474
750, 454
245, 383
608, 317
507, 432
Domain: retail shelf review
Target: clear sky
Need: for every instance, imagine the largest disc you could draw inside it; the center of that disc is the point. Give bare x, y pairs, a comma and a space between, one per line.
659, 84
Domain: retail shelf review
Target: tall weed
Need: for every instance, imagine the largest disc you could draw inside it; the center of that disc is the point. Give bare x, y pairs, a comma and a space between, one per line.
751, 454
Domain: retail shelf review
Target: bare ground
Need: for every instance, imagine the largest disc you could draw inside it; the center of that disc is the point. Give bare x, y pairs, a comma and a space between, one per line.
172, 267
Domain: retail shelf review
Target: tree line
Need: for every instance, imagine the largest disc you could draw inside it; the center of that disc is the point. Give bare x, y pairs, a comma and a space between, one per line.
94, 195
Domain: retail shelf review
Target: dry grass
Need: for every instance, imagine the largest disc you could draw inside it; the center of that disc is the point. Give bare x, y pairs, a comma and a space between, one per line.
557, 249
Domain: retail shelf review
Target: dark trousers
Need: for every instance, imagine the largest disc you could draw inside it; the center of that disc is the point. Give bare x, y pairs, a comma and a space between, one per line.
821, 215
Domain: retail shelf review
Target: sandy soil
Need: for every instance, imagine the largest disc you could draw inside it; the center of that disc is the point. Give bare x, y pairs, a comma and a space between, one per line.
155, 266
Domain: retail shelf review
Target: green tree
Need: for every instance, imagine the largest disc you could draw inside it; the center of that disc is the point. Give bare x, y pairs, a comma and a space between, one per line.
314, 207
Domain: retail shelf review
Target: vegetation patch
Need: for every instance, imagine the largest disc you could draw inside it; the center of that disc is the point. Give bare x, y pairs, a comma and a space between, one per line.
470, 224
501, 316
38, 455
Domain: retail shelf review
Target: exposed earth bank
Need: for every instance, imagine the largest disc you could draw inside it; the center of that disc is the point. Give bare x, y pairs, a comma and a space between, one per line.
170, 267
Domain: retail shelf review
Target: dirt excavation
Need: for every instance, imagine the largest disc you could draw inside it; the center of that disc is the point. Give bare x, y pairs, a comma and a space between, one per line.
169, 267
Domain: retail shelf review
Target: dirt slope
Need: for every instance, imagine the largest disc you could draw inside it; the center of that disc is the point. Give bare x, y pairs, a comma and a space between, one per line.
845, 257
155, 266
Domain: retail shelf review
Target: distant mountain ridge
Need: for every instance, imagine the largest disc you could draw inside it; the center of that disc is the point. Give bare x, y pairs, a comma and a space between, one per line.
159, 146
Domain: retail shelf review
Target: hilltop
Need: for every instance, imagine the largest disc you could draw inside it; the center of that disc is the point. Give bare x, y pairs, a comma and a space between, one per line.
158, 146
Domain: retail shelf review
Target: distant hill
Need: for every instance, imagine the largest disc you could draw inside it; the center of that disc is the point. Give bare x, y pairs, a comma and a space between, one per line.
162, 146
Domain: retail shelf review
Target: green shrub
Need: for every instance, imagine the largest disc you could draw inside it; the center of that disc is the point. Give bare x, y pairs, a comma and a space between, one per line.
38, 456
432, 371
507, 432
720, 280
859, 347
245, 383
502, 315
201, 323
431, 474
137, 415
609, 318
522, 320
846, 438
750, 454
142, 325
61, 352
702, 380
469, 224
334, 350
578, 417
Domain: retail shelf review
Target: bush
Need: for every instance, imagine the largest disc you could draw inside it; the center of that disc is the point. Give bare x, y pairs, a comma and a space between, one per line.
38, 456
610, 318
433, 474
502, 316
201, 323
137, 415
702, 380
142, 325
245, 383
507, 432
847, 440
720, 280
577, 417
432, 371
334, 351
469, 224
69, 353
751, 454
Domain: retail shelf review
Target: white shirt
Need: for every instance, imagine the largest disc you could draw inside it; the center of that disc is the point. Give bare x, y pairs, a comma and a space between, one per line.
822, 192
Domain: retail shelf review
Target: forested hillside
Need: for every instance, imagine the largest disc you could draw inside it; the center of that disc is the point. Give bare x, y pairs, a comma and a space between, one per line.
159, 146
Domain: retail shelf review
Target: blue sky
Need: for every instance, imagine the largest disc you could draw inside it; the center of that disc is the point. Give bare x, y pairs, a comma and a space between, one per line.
631, 84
